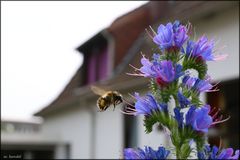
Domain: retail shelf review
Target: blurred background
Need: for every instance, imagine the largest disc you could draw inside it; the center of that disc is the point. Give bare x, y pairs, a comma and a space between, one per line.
51, 52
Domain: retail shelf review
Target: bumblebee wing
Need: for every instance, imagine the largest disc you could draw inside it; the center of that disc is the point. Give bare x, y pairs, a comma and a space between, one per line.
97, 90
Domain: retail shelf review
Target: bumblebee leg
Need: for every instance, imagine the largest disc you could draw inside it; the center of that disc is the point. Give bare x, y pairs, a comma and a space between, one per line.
106, 107
114, 105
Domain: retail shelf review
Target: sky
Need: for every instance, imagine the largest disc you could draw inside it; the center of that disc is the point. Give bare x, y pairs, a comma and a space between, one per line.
38, 41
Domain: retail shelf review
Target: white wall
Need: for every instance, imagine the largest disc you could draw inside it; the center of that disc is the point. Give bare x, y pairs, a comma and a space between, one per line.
76, 127
153, 139
72, 127
109, 134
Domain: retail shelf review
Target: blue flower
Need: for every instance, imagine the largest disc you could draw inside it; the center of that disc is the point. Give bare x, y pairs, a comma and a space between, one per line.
147, 68
147, 105
202, 50
178, 116
197, 84
171, 35
164, 72
180, 34
164, 37
198, 118
228, 154
215, 153
147, 153
182, 100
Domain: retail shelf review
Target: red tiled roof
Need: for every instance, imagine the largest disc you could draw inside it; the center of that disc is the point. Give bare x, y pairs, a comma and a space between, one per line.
127, 28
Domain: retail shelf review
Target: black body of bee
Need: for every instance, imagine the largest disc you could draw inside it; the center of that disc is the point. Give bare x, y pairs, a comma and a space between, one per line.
110, 97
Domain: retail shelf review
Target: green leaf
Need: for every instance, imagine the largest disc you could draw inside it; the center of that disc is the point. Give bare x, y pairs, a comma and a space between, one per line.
149, 121
193, 63
185, 150
172, 55
175, 137
159, 117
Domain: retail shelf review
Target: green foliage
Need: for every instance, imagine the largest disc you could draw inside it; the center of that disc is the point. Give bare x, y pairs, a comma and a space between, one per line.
194, 63
185, 150
159, 117
195, 99
200, 141
149, 121
172, 55
175, 137
193, 95
167, 91
163, 94
154, 88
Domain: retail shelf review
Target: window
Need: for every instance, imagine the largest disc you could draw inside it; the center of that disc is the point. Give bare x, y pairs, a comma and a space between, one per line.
227, 99
130, 131
97, 67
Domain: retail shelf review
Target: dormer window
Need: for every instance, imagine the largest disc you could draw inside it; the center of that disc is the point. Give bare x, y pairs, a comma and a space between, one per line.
96, 59
97, 65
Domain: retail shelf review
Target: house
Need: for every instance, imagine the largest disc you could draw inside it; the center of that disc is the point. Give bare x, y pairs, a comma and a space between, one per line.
72, 118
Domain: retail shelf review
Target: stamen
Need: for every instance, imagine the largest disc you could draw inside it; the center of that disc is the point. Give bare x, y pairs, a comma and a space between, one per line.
127, 102
134, 67
212, 90
212, 110
152, 30
127, 113
220, 143
149, 34
135, 74
189, 28
216, 84
131, 109
131, 96
142, 54
215, 115
214, 123
219, 118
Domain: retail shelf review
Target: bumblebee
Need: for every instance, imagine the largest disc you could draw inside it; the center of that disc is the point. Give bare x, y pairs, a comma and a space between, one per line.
106, 98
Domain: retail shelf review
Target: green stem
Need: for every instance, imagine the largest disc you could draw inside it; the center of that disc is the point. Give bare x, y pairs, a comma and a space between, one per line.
178, 155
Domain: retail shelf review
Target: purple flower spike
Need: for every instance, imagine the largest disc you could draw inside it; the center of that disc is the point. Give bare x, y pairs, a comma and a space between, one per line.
178, 116
147, 153
197, 84
146, 69
198, 118
130, 153
171, 36
163, 72
227, 153
165, 36
147, 105
180, 36
203, 50
215, 153
166, 72
182, 100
